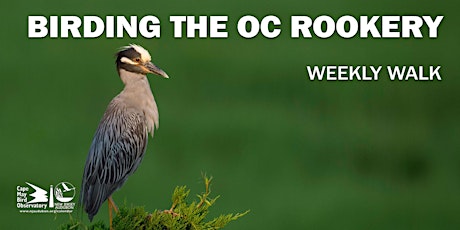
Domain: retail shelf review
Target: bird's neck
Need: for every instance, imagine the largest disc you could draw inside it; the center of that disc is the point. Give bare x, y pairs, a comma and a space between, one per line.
136, 85
137, 94
130, 78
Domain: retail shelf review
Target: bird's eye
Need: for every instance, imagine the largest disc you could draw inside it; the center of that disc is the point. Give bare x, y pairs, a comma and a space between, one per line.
137, 59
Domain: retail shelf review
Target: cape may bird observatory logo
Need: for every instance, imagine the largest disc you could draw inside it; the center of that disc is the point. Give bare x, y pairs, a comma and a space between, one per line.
34, 199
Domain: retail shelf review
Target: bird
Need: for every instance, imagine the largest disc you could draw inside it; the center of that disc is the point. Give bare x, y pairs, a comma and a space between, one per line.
66, 189
120, 141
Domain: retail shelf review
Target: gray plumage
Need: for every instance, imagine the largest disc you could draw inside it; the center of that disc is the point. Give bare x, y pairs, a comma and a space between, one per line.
121, 138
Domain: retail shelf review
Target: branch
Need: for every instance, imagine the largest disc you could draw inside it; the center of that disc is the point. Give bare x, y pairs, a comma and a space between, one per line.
181, 215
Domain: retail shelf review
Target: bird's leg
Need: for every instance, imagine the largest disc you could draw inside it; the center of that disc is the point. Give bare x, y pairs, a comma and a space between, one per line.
110, 214
114, 206
111, 205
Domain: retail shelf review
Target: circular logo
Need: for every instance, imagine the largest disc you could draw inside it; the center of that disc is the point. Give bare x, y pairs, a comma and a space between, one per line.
64, 192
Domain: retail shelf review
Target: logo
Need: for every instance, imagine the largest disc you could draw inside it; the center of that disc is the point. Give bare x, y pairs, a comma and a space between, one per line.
31, 198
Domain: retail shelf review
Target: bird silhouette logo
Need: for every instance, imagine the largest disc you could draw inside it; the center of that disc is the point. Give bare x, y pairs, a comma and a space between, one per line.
64, 192
39, 195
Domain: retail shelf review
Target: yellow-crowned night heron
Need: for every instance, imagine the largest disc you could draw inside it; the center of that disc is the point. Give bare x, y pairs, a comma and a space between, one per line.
121, 137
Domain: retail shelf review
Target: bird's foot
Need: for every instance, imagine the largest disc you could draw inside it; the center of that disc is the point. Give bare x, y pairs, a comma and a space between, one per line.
170, 211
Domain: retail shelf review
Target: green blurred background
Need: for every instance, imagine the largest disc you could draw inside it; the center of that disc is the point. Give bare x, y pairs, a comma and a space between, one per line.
298, 154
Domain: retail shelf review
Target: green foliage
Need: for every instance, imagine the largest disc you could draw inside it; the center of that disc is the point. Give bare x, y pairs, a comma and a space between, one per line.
78, 225
181, 215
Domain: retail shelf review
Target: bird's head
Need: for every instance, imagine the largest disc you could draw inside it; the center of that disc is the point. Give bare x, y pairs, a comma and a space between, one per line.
134, 58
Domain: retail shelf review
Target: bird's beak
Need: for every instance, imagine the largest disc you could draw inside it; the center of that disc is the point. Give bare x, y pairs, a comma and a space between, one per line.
151, 68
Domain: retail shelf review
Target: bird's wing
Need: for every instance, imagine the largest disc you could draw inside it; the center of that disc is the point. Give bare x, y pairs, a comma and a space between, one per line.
116, 152
65, 187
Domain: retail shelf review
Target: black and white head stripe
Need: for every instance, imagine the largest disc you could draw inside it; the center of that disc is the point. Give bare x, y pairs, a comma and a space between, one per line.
133, 51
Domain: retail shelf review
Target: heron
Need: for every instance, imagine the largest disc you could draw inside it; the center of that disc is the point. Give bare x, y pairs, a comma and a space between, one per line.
120, 141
